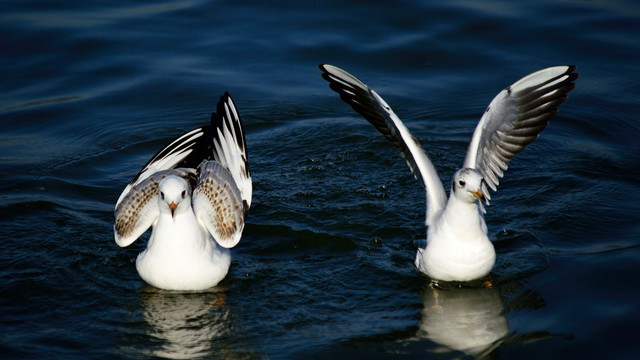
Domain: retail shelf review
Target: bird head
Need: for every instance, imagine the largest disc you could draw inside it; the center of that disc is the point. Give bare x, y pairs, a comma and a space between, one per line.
174, 195
467, 185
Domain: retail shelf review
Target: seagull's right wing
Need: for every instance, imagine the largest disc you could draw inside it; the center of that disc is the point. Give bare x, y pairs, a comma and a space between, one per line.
373, 108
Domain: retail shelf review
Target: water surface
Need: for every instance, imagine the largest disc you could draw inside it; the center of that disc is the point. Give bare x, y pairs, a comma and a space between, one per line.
92, 90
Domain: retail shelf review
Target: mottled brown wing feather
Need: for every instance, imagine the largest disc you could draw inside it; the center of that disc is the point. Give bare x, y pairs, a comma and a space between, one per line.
218, 204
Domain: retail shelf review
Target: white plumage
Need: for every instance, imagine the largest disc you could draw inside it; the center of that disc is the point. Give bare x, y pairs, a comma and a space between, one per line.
458, 248
195, 193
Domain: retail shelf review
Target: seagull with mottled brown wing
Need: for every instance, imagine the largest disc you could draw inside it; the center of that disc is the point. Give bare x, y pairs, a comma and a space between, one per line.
195, 193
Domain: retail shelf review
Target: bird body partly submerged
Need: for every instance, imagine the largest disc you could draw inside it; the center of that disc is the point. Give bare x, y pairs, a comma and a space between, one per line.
181, 254
182, 261
458, 247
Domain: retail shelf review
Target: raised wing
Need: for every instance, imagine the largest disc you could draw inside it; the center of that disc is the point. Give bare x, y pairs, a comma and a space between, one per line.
373, 108
218, 204
229, 147
515, 118
138, 209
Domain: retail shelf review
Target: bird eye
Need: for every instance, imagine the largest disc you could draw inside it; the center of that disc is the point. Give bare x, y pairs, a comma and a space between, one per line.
461, 183
183, 193
162, 195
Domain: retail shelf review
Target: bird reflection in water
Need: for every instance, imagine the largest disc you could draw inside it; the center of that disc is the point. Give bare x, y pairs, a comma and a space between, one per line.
186, 325
471, 318
467, 319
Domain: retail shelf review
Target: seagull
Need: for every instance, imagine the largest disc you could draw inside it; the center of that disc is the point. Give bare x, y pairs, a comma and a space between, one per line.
458, 248
195, 193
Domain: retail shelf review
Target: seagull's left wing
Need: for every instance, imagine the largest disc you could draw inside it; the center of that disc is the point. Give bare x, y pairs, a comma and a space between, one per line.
515, 118
218, 204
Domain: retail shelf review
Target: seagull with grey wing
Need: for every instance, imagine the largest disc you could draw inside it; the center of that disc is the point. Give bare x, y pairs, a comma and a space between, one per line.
195, 193
458, 248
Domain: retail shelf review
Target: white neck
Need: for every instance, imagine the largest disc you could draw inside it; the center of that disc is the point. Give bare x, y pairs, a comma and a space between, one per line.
178, 234
464, 217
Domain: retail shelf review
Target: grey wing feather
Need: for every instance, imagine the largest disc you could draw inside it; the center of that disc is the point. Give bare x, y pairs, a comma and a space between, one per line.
514, 119
218, 204
138, 208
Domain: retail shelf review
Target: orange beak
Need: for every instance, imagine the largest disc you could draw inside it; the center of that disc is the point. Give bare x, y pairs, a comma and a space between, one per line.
478, 194
173, 207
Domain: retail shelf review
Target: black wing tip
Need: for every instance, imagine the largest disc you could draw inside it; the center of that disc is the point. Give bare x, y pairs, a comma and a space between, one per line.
569, 82
224, 99
330, 72
341, 77
217, 117
571, 75
570, 72
348, 86
323, 67
328, 75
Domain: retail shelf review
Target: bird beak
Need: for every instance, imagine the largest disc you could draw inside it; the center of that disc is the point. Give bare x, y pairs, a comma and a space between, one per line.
478, 194
173, 207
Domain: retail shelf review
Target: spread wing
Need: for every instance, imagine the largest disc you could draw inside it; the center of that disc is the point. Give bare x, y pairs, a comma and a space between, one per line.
514, 119
375, 110
230, 148
218, 204
138, 209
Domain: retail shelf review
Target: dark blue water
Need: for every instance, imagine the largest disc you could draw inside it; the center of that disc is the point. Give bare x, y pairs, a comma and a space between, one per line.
91, 90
